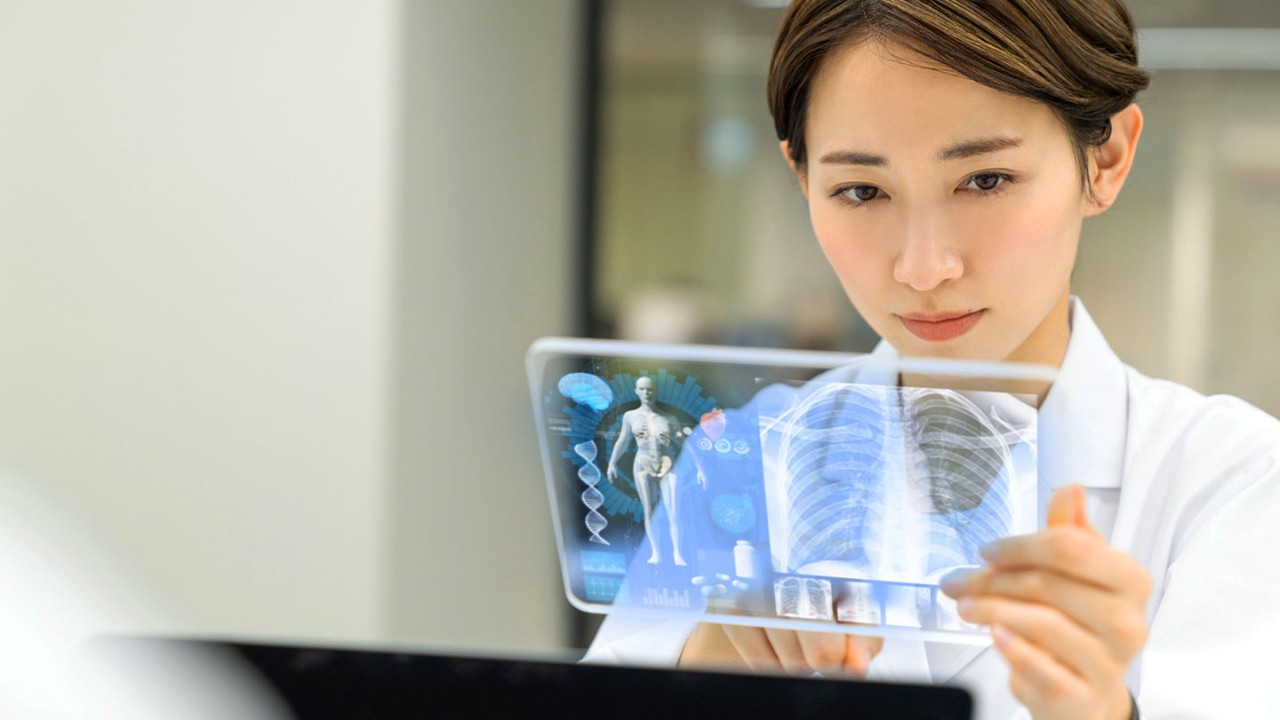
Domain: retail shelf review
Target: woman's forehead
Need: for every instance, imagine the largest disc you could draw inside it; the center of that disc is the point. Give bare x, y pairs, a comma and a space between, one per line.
882, 97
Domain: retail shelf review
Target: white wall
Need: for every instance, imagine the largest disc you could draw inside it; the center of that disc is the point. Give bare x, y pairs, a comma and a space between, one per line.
485, 266
196, 230
267, 273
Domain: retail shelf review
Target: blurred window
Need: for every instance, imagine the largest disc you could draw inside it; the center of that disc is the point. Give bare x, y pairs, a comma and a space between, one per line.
702, 235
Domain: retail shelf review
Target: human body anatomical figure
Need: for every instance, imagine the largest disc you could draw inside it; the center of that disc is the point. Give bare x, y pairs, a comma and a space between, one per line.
653, 432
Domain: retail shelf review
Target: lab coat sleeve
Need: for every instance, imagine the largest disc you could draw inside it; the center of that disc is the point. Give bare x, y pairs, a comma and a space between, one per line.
1214, 637
640, 640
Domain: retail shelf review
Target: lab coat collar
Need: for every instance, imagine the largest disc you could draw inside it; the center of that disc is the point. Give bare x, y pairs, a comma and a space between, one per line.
1084, 418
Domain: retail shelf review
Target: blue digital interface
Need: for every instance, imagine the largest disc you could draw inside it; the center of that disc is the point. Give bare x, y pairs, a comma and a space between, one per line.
772, 493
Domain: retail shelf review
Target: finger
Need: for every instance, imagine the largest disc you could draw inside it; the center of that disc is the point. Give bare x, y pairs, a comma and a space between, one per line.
1118, 621
1074, 552
859, 652
823, 651
1069, 644
965, 581
1066, 508
786, 646
1034, 677
754, 647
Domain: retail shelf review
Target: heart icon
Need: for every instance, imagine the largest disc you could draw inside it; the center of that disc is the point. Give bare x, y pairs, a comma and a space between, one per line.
713, 424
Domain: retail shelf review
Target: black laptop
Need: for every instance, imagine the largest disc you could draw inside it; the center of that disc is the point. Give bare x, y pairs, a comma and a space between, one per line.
319, 683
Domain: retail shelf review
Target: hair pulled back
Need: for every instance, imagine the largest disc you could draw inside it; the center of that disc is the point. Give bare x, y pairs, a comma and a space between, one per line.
1079, 57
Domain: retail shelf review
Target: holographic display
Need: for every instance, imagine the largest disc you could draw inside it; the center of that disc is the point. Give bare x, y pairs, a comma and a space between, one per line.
800, 490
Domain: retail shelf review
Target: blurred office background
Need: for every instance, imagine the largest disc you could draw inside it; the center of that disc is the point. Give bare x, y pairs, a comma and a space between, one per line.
268, 269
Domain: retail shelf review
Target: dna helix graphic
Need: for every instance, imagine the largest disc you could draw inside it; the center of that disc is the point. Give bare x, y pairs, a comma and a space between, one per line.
591, 497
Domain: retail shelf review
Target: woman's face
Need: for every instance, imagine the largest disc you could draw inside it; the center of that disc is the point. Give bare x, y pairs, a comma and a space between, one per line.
950, 211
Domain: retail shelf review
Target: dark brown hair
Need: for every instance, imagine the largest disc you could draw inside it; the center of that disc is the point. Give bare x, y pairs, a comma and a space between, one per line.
1079, 57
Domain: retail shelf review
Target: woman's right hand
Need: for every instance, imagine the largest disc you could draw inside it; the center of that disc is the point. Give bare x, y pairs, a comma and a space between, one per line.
771, 650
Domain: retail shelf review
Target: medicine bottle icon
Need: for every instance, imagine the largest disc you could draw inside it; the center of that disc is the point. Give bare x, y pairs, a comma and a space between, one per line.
744, 560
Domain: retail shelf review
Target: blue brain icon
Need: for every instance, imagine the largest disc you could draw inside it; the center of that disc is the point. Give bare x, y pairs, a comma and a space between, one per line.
586, 389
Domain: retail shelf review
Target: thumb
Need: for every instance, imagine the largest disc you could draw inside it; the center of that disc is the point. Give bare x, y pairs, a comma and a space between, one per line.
1067, 508
859, 652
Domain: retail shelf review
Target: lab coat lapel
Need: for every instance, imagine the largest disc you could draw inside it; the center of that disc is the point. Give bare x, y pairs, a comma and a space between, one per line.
1084, 419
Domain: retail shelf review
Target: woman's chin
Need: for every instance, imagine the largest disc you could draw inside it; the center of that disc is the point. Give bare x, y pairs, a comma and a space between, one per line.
957, 349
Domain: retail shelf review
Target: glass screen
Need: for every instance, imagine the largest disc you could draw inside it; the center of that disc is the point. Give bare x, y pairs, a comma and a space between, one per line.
788, 489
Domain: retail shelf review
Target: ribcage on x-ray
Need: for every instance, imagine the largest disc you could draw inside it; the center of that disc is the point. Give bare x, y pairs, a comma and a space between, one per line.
803, 598
963, 452
888, 482
832, 457
963, 457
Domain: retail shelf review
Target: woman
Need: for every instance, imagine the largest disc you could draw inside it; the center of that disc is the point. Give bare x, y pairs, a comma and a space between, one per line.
949, 152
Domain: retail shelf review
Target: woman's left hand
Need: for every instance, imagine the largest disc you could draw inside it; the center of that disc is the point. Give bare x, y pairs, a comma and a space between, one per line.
1066, 610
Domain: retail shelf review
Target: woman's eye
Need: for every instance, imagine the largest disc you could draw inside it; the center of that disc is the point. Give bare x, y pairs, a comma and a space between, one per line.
859, 194
986, 182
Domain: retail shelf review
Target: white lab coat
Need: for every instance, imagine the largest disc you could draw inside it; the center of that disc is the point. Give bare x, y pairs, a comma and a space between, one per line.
1187, 484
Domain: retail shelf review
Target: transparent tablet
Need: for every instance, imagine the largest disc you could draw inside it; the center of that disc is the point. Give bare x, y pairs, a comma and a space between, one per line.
802, 490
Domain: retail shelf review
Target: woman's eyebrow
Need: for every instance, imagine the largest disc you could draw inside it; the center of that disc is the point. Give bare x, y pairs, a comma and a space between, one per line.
966, 149
852, 157
981, 146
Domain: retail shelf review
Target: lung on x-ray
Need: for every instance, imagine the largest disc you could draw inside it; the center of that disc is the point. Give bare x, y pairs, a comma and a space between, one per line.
892, 483
780, 489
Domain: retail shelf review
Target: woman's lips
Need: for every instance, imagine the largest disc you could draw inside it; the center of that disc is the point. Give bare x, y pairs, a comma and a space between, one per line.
940, 327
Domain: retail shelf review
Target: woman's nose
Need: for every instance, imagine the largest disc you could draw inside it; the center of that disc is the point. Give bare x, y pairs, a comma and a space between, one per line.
927, 259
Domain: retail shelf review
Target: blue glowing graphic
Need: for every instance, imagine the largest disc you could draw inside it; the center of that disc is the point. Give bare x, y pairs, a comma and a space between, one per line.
598, 561
605, 589
586, 423
586, 389
591, 497
734, 513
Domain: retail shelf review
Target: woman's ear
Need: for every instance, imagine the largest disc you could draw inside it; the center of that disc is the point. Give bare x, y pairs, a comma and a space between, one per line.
1109, 163
796, 170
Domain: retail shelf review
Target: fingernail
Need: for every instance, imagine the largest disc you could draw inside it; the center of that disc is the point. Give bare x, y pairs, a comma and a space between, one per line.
965, 607
954, 582
990, 551
1001, 636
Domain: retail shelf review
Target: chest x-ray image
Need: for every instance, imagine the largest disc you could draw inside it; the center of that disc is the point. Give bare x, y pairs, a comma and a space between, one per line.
877, 492
893, 483
776, 488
